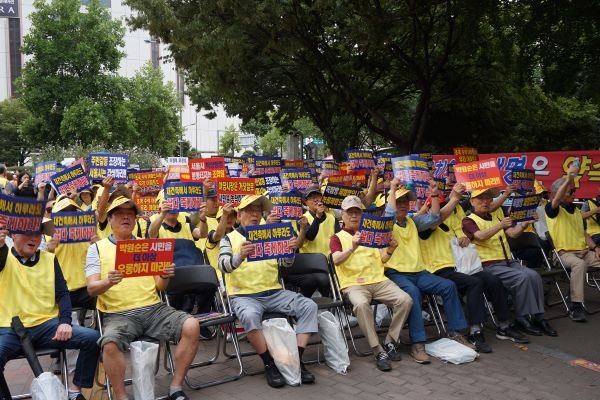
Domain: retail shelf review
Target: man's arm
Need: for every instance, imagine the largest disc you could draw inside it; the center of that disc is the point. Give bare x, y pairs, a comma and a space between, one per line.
102, 206
95, 285
455, 196
562, 190
497, 203
61, 295
155, 225
372, 189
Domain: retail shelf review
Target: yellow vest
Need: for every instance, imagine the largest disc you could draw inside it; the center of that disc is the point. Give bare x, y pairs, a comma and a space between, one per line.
250, 277
102, 234
71, 257
407, 257
202, 243
593, 228
566, 230
489, 250
28, 292
454, 222
321, 242
184, 232
363, 267
128, 294
436, 250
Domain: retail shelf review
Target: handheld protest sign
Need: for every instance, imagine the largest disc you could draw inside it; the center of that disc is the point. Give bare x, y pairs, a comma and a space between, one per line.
271, 241
287, 205
523, 180
298, 178
21, 214
183, 196
144, 257
479, 175
263, 165
43, 172
231, 190
74, 226
148, 182
333, 195
359, 159
268, 184
204, 168
414, 172
70, 180
148, 205
465, 154
375, 231
101, 165
524, 208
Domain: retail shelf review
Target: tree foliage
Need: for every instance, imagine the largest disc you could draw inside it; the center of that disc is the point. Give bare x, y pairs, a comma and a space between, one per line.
14, 147
229, 142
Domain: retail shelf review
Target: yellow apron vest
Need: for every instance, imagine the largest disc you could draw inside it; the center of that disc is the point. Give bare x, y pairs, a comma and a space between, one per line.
321, 242
407, 257
566, 230
28, 291
128, 294
436, 250
363, 267
593, 228
71, 257
489, 250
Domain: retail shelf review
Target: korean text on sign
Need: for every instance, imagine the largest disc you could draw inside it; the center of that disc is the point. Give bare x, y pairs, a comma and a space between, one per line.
144, 257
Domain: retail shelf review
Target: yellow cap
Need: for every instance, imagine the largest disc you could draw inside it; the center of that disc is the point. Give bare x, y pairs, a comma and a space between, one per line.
494, 192
255, 198
63, 204
403, 191
123, 202
539, 187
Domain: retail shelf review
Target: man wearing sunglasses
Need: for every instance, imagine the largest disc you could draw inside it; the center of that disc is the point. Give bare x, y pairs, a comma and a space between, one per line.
577, 250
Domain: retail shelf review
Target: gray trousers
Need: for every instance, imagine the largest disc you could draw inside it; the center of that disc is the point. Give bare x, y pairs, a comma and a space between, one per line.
524, 283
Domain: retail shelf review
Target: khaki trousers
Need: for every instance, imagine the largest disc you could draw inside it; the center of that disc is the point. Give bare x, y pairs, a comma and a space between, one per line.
385, 292
579, 262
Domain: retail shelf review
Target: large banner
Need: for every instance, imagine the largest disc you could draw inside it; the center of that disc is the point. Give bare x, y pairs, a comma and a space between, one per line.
21, 214
101, 165
288, 205
270, 241
375, 231
144, 257
548, 167
183, 196
70, 180
74, 226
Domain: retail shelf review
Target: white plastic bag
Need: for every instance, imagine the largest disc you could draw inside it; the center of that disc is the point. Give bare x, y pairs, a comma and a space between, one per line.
143, 364
47, 387
450, 351
334, 344
466, 259
281, 342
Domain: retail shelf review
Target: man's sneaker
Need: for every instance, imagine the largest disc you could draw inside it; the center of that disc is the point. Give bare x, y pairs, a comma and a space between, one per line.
392, 352
274, 377
178, 395
383, 361
305, 375
478, 340
417, 352
512, 334
577, 313
460, 338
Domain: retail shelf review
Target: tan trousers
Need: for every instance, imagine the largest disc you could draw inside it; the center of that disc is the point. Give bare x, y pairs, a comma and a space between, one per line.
579, 262
386, 292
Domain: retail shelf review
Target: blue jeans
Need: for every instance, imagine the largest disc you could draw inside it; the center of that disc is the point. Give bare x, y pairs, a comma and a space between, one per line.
83, 339
417, 282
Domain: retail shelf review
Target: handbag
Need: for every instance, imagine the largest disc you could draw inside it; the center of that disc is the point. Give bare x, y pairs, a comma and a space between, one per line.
334, 344
47, 387
143, 362
281, 342
466, 259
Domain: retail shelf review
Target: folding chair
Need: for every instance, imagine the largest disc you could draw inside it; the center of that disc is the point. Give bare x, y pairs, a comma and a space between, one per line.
590, 277
192, 280
316, 263
52, 353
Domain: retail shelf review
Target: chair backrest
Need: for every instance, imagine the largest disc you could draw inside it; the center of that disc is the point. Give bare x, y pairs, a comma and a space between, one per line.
307, 263
186, 253
523, 241
193, 279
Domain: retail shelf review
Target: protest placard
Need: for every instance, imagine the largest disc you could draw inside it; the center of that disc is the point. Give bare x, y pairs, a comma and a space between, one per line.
328, 167
43, 172
524, 208
231, 190
270, 241
147, 205
268, 184
177, 161
203, 168
297, 178
287, 205
74, 226
101, 165
148, 182
523, 180
144, 257
70, 180
333, 195
375, 231
359, 159
465, 154
351, 179
264, 165
21, 214
384, 162
183, 196
482, 174
414, 173
298, 164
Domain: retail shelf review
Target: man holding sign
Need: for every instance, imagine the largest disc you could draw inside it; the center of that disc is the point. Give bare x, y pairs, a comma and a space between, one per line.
132, 307
255, 288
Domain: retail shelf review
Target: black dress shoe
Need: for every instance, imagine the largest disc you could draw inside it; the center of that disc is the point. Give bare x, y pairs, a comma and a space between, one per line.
305, 375
274, 377
545, 327
526, 327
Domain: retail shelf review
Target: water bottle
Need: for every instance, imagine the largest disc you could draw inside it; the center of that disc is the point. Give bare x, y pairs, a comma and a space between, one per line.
576, 163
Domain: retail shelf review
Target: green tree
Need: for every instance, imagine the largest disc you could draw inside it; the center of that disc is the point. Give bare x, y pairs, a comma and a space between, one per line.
74, 58
229, 142
14, 147
272, 142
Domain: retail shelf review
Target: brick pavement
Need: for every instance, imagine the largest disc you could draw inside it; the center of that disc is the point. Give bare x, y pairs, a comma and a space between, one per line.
538, 371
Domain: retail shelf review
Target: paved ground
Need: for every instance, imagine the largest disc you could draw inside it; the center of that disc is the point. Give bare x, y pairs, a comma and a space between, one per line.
548, 368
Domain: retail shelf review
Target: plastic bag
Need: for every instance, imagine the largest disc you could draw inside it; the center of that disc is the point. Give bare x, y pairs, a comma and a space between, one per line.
47, 387
450, 351
143, 364
334, 343
466, 259
281, 342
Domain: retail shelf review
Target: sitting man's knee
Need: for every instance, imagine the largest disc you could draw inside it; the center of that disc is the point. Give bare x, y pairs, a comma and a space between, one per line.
190, 329
110, 349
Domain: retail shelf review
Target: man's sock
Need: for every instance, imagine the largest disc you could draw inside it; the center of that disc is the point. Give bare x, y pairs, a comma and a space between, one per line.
267, 358
503, 324
300, 352
474, 328
174, 389
73, 395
